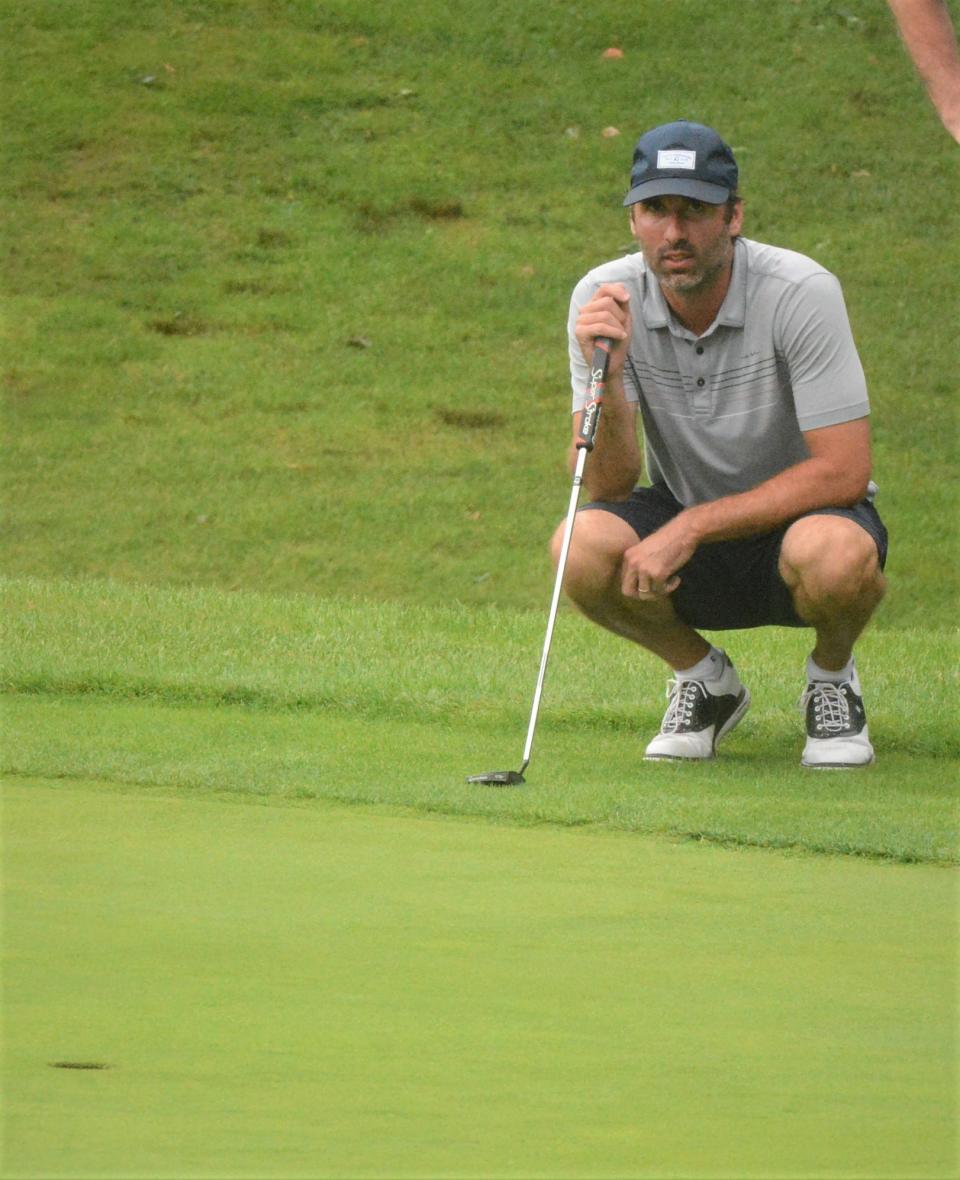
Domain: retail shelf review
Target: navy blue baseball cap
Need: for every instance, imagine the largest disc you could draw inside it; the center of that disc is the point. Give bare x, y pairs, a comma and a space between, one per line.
682, 159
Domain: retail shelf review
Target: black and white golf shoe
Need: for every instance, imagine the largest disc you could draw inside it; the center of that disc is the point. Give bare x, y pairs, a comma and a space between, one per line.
837, 735
700, 713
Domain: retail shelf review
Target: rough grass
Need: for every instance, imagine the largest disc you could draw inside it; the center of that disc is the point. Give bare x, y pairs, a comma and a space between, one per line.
301, 699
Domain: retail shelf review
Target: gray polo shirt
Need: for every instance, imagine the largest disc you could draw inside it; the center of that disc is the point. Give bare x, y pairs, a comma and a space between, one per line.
727, 410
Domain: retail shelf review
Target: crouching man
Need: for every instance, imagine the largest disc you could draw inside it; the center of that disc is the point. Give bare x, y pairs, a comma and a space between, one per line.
739, 360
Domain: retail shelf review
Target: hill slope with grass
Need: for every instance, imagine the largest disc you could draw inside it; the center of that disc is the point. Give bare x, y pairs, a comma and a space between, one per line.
286, 283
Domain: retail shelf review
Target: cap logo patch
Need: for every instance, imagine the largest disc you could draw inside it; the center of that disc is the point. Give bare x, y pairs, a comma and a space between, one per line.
675, 158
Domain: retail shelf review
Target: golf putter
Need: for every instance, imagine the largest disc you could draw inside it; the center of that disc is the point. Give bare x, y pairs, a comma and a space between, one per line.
584, 443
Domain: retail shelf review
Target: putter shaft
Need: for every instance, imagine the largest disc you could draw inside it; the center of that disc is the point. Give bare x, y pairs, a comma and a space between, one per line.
555, 603
584, 444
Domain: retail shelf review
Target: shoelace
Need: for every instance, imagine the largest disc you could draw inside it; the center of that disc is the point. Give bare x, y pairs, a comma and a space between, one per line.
831, 709
683, 698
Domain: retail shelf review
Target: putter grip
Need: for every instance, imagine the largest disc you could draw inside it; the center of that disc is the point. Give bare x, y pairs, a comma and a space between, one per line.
598, 382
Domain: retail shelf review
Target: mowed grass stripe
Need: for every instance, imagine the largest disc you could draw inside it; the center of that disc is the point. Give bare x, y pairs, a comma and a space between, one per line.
755, 795
396, 661
394, 705
293, 992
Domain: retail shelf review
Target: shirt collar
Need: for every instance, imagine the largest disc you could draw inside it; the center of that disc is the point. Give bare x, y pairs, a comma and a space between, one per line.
733, 310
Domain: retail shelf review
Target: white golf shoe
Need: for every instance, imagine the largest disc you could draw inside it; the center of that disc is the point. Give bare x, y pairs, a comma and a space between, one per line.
837, 735
700, 713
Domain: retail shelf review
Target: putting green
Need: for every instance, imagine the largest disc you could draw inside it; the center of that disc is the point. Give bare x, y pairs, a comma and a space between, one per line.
322, 992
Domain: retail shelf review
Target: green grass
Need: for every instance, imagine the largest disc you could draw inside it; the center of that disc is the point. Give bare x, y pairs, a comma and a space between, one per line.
206, 202
285, 409
304, 991
198, 690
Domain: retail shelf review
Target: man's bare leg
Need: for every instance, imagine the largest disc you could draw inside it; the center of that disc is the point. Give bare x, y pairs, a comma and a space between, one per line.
706, 698
832, 569
592, 580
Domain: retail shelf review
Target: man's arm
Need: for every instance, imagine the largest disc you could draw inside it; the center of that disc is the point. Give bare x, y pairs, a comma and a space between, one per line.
836, 474
615, 462
927, 32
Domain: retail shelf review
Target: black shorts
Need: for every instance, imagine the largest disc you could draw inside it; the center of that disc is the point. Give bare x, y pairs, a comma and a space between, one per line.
732, 585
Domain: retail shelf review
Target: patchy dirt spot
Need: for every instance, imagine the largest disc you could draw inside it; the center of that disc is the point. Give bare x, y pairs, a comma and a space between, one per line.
471, 419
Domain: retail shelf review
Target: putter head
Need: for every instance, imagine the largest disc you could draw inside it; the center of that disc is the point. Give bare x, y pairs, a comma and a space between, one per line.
498, 778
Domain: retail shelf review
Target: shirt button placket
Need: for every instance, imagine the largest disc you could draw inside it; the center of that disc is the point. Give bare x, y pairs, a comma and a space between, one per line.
701, 394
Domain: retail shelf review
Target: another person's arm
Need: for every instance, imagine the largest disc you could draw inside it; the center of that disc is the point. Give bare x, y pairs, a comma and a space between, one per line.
927, 31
